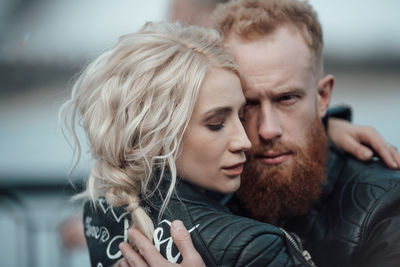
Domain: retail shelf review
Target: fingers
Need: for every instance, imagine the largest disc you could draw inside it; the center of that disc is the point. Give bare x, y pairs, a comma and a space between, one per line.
354, 139
346, 136
148, 255
357, 149
395, 154
182, 238
123, 263
184, 243
387, 153
146, 249
131, 257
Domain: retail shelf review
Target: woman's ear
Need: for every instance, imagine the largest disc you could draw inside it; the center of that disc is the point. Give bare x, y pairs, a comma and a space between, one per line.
325, 87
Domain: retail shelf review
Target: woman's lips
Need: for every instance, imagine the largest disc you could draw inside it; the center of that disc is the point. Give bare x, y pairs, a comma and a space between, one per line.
234, 170
274, 158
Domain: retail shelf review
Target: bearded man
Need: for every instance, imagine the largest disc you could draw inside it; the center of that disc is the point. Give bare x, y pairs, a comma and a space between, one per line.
347, 212
278, 46
349, 218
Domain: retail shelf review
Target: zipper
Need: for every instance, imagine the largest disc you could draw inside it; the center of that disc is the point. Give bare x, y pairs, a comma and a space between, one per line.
296, 242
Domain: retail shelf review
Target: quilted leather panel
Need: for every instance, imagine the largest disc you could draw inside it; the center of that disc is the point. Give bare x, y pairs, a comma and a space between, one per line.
360, 198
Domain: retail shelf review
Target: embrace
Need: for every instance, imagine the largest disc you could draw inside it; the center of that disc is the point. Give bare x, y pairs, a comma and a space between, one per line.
228, 131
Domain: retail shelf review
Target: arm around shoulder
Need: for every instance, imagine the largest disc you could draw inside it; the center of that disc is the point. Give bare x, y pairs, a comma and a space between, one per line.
244, 242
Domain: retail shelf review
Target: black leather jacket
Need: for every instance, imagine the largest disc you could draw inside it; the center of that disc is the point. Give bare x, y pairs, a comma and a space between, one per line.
221, 238
357, 220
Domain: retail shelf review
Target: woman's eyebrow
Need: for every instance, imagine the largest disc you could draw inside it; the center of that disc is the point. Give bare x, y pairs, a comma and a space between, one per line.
217, 111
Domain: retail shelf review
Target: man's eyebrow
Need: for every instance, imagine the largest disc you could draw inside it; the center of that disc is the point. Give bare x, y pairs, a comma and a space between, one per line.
277, 92
293, 90
216, 111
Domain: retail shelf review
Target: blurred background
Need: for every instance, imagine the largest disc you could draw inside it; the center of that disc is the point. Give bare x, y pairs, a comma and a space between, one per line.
44, 43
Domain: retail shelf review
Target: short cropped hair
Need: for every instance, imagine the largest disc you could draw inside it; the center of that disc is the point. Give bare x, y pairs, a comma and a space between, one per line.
135, 102
253, 18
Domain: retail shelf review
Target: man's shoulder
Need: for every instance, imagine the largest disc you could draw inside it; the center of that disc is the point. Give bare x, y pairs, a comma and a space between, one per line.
371, 180
358, 197
373, 173
365, 191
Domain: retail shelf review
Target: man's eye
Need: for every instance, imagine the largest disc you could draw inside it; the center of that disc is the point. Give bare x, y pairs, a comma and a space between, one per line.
241, 113
215, 127
249, 106
288, 99
250, 103
241, 116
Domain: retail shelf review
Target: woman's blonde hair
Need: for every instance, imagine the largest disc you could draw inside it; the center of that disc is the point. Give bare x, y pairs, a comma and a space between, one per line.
134, 103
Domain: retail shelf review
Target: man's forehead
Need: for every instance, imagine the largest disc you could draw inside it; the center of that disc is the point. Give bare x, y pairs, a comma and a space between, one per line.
275, 87
282, 61
285, 44
283, 78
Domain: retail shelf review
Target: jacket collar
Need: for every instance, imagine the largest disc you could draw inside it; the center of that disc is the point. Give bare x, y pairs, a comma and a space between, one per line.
186, 190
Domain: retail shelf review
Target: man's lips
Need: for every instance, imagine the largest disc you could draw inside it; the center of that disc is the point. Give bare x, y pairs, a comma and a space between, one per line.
234, 170
273, 158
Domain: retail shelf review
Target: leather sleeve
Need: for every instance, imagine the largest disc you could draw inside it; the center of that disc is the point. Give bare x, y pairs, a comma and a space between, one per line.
340, 112
229, 240
381, 246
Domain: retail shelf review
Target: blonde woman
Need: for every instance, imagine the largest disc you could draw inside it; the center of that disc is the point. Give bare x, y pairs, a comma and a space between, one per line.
162, 112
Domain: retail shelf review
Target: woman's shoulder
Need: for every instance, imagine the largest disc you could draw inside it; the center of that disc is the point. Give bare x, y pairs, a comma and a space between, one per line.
105, 227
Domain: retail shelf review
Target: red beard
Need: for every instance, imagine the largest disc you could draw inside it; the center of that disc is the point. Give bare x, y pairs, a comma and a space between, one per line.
274, 193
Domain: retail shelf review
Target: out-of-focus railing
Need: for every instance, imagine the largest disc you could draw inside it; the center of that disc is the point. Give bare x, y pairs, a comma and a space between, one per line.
31, 223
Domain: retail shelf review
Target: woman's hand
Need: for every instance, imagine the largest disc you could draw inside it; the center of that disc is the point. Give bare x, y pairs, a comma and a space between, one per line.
149, 256
358, 140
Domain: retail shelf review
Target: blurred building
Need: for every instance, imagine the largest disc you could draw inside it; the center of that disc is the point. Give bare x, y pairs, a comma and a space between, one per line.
43, 44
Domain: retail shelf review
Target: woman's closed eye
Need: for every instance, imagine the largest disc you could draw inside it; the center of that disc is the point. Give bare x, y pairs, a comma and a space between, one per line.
216, 122
215, 127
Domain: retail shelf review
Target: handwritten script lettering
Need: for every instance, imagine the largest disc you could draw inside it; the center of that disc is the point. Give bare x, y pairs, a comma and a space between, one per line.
96, 231
116, 240
159, 240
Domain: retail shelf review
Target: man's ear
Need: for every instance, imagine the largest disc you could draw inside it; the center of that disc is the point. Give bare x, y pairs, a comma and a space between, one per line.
325, 87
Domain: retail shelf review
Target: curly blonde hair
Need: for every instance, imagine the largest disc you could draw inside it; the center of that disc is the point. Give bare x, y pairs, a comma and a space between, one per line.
134, 103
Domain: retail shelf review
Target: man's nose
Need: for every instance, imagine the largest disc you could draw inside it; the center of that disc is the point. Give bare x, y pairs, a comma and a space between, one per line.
269, 125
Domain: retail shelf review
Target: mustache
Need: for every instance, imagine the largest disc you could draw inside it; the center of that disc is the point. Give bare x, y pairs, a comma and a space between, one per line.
278, 146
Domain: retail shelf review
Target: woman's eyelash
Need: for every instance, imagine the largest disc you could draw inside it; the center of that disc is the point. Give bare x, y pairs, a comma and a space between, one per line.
215, 127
